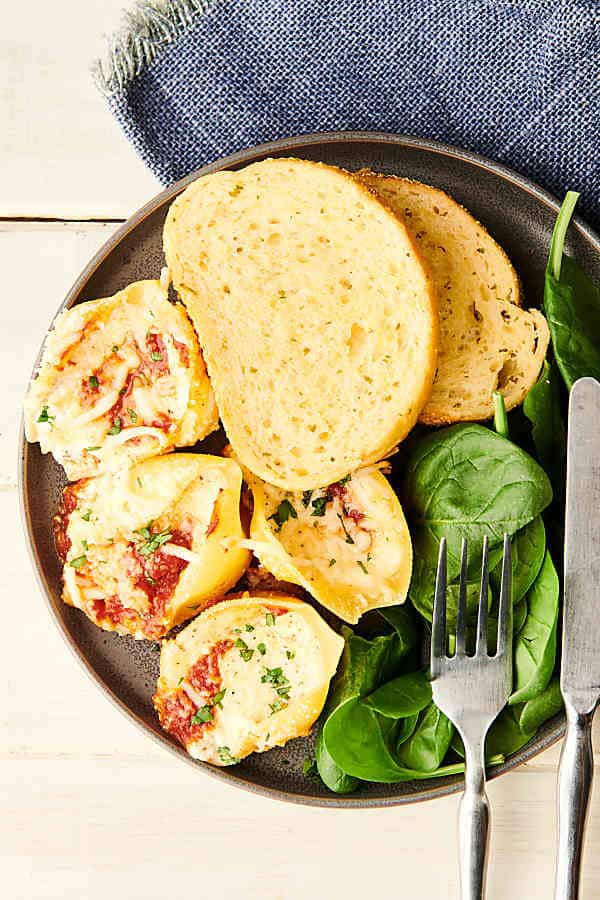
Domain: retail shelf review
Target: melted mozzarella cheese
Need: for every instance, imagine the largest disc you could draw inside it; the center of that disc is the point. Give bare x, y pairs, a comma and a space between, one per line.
275, 680
196, 495
105, 396
348, 545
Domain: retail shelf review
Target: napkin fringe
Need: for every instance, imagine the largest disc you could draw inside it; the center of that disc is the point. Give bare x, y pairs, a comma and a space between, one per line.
148, 28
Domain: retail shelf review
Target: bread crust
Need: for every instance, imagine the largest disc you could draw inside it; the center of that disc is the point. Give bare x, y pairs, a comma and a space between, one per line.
209, 285
487, 341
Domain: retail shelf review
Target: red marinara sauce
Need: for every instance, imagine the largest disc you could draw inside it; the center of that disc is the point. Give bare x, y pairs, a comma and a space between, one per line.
176, 709
60, 523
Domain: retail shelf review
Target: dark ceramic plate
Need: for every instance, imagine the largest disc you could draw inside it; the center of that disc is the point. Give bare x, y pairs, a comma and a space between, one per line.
517, 213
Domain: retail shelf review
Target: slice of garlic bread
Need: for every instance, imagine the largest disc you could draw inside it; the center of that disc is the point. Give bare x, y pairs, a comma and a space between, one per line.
317, 319
487, 342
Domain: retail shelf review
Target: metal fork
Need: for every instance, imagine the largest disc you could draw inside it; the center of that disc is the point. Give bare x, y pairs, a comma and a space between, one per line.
471, 691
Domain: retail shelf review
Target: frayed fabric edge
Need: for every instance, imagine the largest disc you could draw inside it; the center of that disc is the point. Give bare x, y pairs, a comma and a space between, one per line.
149, 27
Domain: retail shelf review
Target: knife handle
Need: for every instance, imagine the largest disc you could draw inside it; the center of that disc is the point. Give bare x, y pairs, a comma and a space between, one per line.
574, 783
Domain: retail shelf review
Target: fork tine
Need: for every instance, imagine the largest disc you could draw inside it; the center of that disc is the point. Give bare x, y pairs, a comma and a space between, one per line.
461, 616
482, 616
438, 627
505, 605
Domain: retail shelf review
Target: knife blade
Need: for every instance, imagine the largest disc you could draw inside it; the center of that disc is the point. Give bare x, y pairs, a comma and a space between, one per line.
580, 672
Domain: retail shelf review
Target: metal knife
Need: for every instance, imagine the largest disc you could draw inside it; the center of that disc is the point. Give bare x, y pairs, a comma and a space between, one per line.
580, 673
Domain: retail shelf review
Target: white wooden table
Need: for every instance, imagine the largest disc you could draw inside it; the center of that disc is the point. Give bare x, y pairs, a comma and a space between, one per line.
90, 808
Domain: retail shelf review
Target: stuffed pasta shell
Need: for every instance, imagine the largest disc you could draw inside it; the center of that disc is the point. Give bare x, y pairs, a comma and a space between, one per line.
148, 547
248, 674
347, 544
121, 379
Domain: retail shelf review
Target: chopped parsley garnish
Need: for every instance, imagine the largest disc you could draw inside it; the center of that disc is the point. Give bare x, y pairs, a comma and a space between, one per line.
132, 415
93, 381
360, 563
245, 652
237, 630
226, 757
261, 648
249, 627
148, 542
319, 504
290, 654
279, 681
115, 348
276, 706
150, 579
116, 426
85, 546
270, 618
45, 416
284, 511
139, 481
87, 515
345, 479
78, 562
92, 449
332, 562
203, 715
156, 356
218, 698
306, 495
349, 538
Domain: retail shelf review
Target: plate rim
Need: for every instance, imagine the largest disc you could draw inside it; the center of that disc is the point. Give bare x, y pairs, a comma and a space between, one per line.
429, 790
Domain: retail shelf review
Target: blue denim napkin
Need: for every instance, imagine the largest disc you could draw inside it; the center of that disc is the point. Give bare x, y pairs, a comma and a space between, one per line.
517, 80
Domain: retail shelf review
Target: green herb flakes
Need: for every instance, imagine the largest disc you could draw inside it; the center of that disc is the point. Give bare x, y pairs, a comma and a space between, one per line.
45, 417
226, 757
203, 715
132, 415
93, 381
261, 648
349, 538
156, 356
284, 511
87, 515
116, 426
270, 618
78, 562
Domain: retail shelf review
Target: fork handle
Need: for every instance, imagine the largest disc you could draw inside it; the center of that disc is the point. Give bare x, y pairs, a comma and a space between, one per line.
473, 828
574, 784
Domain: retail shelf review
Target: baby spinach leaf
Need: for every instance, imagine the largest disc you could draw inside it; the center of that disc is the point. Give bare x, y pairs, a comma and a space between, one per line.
535, 644
500, 417
572, 306
506, 735
528, 549
364, 665
519, 616
466, 481
541, 708
405, 728
403, 696
331, 774
402, 620
542, 406
429, 743
361, 742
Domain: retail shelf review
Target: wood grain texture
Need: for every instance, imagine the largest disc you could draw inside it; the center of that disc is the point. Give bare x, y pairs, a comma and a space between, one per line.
91, 808
61, 153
